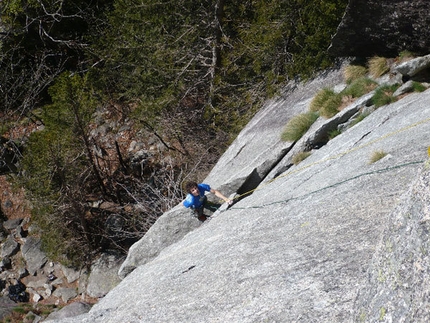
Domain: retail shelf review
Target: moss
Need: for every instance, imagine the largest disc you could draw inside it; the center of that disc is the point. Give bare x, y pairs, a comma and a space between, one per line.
334, 133
359, 118
381, 276
406, 55
362, 317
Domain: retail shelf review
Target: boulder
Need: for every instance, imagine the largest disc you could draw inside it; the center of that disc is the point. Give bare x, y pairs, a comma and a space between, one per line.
104, 274
73, 309
415, 69
11, 224
171, 227
9, 248
34, 257
71, 274
405, 88
65, 294
6, 306
18, 293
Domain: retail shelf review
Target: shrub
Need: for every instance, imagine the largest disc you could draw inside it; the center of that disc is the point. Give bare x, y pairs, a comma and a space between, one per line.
353, 72
298, 125
298, 158
378, 66
377, 155
359, 87
384, 95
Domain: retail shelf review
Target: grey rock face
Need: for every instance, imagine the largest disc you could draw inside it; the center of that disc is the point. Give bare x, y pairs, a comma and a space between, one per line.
241, 168
258, 148
384, 28
399, 280
295, 250
168, 229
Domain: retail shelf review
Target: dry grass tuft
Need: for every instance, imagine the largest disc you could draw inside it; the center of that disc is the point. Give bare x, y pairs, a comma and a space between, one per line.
378, 66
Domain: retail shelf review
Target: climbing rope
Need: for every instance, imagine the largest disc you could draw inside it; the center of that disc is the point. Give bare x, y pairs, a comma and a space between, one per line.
328, 186
338, 156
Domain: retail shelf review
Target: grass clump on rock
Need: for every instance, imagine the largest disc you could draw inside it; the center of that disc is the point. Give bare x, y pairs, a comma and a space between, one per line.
354, 72
377, 155
378, 66
320, 98
332, 106
384, 95
418, 87
406, 55
359, 118
326, 102
301, 156
359, 87
298, 125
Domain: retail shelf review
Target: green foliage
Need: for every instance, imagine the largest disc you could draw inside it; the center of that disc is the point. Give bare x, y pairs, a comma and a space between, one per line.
359, 87
384, 95
406, 55
298, 125
26, 312
334, 133
36, 46
418, 87
382, 312
378, 66
173, 57
55, 164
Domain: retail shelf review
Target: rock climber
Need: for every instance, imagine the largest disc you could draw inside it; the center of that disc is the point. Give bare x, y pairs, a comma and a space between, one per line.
196, 199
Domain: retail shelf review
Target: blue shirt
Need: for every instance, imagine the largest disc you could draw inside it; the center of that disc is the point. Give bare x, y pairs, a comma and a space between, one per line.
196, 202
